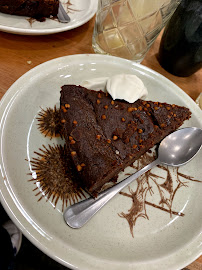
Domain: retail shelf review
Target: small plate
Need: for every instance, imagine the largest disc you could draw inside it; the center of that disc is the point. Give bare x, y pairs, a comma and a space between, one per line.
163, 239
79, 11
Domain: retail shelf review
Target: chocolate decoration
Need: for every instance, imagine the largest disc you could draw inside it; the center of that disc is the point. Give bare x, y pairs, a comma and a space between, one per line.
49, 122
56, 176
145, 183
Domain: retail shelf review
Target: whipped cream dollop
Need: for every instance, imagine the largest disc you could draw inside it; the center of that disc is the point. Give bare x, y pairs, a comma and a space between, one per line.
122, 86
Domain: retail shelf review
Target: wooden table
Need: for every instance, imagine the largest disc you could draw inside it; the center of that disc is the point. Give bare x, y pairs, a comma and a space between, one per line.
18, 54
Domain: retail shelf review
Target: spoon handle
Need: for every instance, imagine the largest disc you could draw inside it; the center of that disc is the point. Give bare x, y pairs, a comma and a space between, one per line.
80, 213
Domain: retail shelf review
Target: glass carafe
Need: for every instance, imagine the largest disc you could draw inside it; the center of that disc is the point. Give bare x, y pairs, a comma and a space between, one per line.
127, 28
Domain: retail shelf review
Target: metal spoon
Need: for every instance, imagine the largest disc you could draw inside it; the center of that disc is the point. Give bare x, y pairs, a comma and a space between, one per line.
176, 149
62, 14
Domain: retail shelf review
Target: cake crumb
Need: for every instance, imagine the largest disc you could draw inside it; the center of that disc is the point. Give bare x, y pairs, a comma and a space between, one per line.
29, 62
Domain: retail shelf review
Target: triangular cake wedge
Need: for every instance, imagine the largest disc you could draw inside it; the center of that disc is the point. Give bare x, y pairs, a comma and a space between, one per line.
105, 135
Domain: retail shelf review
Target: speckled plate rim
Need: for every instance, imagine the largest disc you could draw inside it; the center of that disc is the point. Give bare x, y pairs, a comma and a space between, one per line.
76, 259
90, 12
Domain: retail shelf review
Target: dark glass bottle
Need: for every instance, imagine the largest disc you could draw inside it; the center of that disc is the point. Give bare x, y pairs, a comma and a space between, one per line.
180, 51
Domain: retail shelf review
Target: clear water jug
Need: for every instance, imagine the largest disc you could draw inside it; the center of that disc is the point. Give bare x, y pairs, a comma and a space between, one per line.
127, 28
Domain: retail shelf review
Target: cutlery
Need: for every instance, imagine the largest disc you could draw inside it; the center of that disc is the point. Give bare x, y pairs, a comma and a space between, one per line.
62, 14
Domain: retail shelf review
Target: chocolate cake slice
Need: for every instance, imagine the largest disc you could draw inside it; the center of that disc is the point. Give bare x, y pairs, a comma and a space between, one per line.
104, 136
31, 8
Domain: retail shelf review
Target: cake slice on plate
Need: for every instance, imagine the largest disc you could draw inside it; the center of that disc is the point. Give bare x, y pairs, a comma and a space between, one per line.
105, 136
30, 8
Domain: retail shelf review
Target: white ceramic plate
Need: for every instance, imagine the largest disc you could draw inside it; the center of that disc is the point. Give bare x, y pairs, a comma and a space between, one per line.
80, 11
160, 242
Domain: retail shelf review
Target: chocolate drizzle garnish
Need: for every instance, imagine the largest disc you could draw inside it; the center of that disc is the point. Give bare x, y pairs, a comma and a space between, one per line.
167, 190
56, 176
49, 122
68, 7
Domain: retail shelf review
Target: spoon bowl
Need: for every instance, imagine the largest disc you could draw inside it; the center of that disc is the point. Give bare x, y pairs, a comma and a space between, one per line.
176, 149
180, 147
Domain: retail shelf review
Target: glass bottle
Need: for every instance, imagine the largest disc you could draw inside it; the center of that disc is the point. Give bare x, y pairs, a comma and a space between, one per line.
180, 50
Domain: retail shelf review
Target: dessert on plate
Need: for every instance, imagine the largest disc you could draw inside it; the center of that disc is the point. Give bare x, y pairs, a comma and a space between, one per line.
105, 135
31, 8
